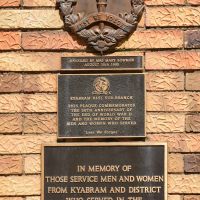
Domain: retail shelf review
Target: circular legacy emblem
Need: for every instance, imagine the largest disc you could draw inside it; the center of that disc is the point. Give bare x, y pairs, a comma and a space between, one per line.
101, 85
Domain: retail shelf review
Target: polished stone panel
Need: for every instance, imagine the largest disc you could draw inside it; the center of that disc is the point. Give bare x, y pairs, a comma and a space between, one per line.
115, 171
103, 63
101, 105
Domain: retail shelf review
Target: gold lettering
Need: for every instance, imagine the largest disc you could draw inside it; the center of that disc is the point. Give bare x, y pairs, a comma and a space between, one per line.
57, 190
150, 178
125, 179
144, 189
83, 179
108, 179
88, 190
118, 190
104, 168
56, 179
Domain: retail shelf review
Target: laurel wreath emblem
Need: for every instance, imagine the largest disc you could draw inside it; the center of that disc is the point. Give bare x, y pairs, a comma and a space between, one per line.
107, 37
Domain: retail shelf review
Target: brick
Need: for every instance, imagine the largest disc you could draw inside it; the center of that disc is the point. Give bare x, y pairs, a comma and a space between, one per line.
164, 2
11, 198
193, 123
172, 16
11, 165
54, 40
10, 123
11, 103
153, 39
37, 3
10, 83
33, 198
168, 101
40, 83
174, 197
45, 123
192, 197
18, 144
40, 103
193, 2
42, 61
62, 40
27, 103
141, 23
192, 163
161, 81
178, 142
175, 163
19, 185
184, 184
165, 123
9, 3
179, 60
42, 19
10, 40
32, 164
34, 61
192, 81
192, 39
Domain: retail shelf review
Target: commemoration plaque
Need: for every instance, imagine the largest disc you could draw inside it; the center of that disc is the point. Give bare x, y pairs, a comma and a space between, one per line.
129, 63
101, 105
100, 171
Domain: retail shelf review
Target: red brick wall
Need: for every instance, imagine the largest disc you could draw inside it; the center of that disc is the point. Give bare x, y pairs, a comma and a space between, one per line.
31, 44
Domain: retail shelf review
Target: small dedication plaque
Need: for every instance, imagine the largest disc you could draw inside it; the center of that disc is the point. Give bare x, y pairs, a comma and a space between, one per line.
101, 105
125, 171
103, 63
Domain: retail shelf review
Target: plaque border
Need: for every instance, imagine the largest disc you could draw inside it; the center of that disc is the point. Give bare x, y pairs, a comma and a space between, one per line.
104, 137
104, 69
106, 144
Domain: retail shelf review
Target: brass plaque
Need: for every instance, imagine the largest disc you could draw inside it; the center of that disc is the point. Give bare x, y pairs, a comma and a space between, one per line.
101, 171
102, 24
101, 105
130, 63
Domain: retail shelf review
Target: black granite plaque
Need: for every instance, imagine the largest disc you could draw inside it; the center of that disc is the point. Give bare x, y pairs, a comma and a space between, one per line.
103, 63
118, 171
101, 105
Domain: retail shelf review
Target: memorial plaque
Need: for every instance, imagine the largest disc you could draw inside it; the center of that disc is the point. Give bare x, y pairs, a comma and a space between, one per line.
100, 171
103, 63
101, 105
